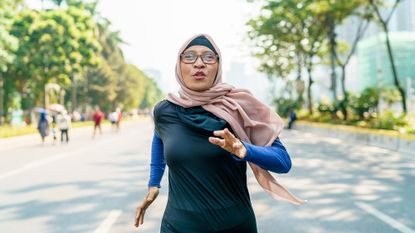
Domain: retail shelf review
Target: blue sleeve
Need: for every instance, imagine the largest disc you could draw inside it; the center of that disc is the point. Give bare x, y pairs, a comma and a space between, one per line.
273, 158
157, 164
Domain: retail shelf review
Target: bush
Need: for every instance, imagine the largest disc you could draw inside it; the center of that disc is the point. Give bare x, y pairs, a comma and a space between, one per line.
285, 105
366, 103
386, 121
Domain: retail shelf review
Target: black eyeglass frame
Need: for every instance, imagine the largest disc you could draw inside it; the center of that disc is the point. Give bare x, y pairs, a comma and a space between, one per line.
201, 57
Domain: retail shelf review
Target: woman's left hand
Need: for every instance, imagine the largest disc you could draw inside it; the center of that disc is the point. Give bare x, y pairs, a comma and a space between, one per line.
229, 142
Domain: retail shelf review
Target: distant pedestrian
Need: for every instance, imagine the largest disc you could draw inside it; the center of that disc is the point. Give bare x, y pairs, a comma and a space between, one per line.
64, 124
98, 116
113, 117
119, 118
83, 117
43, 126
53, 128
292, 118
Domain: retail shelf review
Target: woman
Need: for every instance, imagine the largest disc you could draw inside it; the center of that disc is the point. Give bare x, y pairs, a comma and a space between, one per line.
43, 126
206, 135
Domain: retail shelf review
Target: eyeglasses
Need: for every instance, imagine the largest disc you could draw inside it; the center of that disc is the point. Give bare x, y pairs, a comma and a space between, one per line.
207, 58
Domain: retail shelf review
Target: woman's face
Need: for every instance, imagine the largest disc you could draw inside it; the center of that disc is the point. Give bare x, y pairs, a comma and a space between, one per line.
199, 75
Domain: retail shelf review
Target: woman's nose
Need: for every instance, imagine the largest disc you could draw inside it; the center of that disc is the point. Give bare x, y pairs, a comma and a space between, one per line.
199, 63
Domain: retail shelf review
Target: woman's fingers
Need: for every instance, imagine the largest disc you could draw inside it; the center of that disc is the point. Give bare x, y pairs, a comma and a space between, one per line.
141, 209
228, 135
141, 220
237, 145
220, 133
217, 141
136, 217
139, 216
228, 141
225, 134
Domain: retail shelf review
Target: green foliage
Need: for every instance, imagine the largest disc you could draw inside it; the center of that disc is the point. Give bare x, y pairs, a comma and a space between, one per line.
285, 105
283, 31
72, 46
8, 43
388, 120
365, 103
101, 86
152, 95
390, 95
55, 45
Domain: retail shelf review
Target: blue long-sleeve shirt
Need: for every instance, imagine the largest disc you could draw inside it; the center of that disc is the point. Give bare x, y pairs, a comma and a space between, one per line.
273, 158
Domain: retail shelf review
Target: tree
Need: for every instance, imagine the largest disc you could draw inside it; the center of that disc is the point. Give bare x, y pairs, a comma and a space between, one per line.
115, 83
332, 14
289, 33
152, 94
376, 4
8, 45
100, 86
363, 24
131, 83
55, 45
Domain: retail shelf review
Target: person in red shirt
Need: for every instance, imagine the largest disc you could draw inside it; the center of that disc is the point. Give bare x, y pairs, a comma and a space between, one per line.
119, 117
98, 116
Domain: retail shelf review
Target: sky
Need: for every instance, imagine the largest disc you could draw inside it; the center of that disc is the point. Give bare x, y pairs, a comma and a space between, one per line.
154, 30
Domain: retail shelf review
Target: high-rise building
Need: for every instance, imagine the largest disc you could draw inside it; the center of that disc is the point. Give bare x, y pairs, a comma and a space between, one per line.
372, 62
374, 65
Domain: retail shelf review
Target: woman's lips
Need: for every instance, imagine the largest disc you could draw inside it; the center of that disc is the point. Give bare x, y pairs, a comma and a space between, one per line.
199, 75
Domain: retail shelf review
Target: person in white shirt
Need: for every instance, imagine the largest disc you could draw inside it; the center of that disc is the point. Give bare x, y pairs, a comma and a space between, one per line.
64, 124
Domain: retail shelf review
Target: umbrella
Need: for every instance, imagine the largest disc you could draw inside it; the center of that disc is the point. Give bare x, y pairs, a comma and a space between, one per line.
56, 107
39, 109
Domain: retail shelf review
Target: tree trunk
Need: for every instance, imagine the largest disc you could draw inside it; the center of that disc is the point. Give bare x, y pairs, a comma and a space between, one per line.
6, 94
300, 98
74, 101
309, 94
332, 41
1, 99
345, 100
394, 71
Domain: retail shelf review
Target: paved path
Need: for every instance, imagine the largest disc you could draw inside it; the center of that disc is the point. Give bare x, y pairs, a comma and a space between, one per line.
94, 185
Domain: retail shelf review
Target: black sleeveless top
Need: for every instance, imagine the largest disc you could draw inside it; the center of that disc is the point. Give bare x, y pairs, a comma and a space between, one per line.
207, 187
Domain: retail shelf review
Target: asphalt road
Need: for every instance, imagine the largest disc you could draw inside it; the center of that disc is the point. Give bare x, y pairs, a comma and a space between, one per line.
94, 185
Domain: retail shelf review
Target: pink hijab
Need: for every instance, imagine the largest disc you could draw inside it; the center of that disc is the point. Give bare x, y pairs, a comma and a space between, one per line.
251, 120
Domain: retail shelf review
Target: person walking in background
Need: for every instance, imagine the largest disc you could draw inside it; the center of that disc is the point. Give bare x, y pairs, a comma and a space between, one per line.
97, 117
43, 126
64, 124
292, 118
207, 135
113, 117
119, 118
53, 128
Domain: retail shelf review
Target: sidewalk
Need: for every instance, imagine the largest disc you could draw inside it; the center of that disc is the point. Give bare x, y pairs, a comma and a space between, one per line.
392, 141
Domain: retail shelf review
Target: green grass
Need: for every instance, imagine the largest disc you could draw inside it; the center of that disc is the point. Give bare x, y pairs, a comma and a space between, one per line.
8, 131
356, 129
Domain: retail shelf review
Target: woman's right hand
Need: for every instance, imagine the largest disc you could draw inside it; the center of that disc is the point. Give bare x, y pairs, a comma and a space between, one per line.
152, 194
